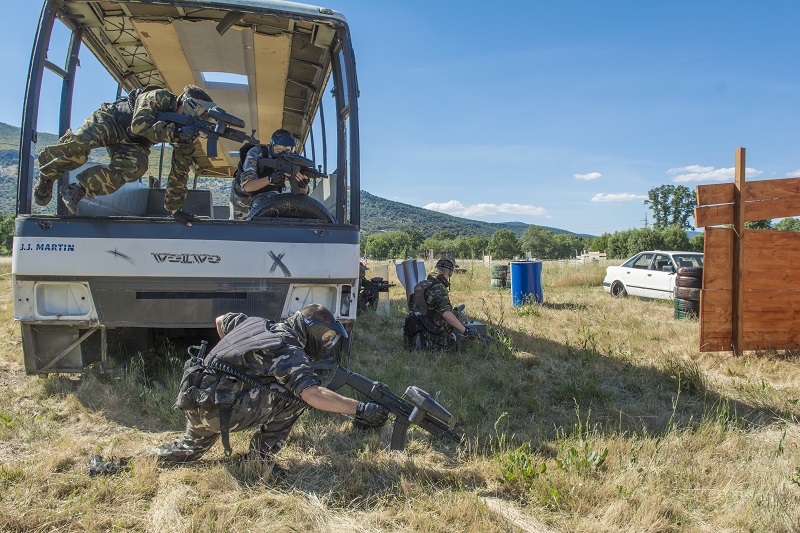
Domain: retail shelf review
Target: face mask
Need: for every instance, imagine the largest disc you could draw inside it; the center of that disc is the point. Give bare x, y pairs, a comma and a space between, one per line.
322, 337
280, 149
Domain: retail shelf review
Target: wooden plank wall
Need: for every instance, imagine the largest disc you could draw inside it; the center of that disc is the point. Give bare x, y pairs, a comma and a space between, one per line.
770, 285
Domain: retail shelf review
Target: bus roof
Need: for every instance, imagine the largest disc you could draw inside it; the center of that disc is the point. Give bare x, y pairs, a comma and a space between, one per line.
265, 61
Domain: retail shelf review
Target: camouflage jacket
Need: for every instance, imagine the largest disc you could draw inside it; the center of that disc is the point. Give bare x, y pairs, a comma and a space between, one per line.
287, 365
437, 300
248, 170
145, 124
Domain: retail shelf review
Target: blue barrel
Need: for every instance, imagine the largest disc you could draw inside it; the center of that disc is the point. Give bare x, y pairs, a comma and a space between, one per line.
526, 282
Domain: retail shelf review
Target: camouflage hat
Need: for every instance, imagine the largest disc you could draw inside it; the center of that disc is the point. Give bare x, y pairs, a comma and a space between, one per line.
445, 263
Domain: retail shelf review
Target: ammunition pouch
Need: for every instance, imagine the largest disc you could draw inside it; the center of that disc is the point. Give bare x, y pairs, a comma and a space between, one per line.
202, 387
190, 392
418, 324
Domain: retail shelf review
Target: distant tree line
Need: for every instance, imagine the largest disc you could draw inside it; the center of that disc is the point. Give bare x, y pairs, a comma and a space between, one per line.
542, 243
6, 234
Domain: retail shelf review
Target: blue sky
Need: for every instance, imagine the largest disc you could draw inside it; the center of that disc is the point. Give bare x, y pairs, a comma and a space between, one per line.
562, 114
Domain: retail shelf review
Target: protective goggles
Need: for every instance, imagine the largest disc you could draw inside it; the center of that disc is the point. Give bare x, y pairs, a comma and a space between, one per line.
327, 334
281, 149
198, 108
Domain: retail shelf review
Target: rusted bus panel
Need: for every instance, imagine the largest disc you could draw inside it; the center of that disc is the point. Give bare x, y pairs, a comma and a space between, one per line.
771, 260
718, 259
722, 193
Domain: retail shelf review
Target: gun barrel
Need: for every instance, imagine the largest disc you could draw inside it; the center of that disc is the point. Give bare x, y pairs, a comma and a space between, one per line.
221, 115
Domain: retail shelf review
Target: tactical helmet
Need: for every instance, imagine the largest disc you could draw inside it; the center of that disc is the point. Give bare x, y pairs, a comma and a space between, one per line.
323, 331
282, 138
445, 263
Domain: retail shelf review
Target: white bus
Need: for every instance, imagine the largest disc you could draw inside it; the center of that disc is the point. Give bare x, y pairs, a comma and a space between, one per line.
121, 274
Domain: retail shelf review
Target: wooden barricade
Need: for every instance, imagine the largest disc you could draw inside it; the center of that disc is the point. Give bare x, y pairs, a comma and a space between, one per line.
750, 298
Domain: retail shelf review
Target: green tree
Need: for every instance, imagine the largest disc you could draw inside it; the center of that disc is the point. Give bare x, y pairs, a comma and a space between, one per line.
599, 244
697, 243
643, 239
379, 246
478, 244
6, 234
400, 244
444, 235
672, 205
503, 244
538, 241
674, 238
758, 224
563, 247
618, 245
416, 237
461, 248
788, 224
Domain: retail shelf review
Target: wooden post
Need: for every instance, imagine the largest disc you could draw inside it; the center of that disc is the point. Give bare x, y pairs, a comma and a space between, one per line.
737, 299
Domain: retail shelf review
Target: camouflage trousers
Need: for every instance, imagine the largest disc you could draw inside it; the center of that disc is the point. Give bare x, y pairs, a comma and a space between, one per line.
240, 205
274, 417
418, 336
129, 161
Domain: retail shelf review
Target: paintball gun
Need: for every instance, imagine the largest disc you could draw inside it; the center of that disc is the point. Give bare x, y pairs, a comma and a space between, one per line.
223, 125
289, 164
421, 410
198, 353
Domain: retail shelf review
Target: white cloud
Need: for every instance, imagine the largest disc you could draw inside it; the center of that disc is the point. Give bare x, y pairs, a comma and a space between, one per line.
454, 207
589, 176
622, 197
793, 174
700, 174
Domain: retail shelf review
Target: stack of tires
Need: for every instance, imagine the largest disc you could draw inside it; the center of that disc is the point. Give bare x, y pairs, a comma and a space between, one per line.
499, 276
688, 284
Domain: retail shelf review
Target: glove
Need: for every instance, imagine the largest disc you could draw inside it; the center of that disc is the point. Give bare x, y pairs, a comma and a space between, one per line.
187, 134
183, 217
371, 414
471, 333
277, 178
98, 466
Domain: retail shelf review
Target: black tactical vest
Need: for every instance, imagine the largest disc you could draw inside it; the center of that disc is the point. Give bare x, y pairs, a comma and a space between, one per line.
236, 347
123, 112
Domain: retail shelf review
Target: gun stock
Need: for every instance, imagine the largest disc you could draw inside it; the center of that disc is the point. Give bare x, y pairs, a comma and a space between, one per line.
421, 412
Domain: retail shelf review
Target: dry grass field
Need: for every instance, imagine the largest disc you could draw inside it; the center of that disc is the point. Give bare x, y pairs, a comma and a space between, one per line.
588, 414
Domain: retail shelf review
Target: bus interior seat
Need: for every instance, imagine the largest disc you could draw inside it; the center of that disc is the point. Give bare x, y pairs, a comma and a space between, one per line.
198, 202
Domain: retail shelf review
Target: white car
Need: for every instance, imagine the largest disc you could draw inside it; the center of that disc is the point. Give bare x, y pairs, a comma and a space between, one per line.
649, 274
